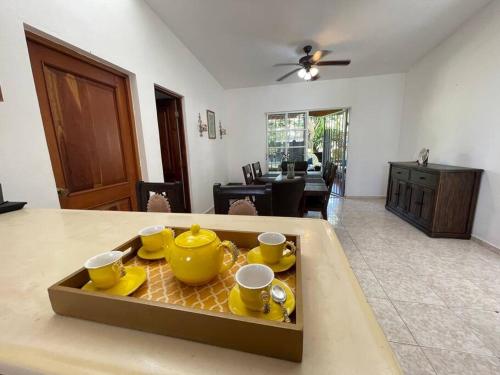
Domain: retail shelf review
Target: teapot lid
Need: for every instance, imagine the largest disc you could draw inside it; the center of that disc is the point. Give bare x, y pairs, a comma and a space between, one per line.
195, 237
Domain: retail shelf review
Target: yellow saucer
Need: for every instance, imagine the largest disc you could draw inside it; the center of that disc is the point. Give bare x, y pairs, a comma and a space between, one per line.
151, 255
237, 307
128, 284
285, 263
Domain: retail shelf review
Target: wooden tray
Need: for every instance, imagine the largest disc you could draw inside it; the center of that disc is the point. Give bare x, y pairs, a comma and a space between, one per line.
167, 307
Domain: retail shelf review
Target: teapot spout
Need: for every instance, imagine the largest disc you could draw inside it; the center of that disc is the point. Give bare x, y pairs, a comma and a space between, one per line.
168, 235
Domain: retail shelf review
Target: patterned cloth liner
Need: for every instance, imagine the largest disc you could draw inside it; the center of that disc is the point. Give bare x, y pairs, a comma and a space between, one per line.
158, 203
242, 207
162, 286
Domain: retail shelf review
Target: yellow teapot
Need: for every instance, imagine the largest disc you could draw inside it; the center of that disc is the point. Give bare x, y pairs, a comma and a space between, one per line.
197, 255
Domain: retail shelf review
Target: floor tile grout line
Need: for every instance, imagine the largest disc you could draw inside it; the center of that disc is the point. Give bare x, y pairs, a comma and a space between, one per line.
423, 353
476, 332
388, 297
454, 351
392, 304
347, 227
362, 256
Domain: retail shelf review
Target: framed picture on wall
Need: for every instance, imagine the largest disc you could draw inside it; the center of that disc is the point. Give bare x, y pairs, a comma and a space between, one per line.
212, 133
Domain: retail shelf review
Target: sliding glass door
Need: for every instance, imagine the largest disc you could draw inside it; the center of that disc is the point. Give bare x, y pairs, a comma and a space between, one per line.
335, 146
286, 138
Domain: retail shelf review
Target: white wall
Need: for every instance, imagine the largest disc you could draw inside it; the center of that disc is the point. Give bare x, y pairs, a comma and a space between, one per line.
127, 34
452, 106
376, 105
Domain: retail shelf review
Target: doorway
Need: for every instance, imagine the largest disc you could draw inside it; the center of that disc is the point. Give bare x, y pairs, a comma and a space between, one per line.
330, 135
172, 140
87, 119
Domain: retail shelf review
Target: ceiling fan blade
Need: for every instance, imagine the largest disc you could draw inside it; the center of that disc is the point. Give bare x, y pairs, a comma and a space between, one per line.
288, 74
333, 62
287, 64
318, 55
316, 77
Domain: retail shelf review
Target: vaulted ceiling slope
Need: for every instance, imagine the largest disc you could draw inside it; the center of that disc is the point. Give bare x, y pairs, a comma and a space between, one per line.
239, 41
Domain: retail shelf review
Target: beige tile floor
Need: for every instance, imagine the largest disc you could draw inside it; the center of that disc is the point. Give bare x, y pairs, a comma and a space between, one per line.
437, 300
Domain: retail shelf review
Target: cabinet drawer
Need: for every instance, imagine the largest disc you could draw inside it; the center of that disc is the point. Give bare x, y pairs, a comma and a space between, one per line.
401, 173
423, 178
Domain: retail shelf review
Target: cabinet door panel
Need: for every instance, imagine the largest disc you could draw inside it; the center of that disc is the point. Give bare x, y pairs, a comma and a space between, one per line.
415, 204
393, 195
402, 186
427, 211
421, 206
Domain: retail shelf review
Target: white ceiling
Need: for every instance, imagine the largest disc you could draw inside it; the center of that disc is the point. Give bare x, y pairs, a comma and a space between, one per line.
239, 41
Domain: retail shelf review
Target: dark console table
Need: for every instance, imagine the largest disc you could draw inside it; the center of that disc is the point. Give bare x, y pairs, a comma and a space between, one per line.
438, 199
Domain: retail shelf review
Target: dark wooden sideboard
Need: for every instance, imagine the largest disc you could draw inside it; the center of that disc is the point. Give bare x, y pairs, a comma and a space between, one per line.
438, 199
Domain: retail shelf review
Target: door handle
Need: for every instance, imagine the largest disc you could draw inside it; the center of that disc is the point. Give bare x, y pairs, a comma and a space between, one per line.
62, 192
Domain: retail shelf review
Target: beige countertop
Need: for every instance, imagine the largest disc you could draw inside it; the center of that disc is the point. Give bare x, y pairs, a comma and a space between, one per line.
38, 247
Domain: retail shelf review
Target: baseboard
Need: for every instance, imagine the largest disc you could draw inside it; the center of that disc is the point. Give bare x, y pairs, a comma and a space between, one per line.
486, 244
365, 196
209, 211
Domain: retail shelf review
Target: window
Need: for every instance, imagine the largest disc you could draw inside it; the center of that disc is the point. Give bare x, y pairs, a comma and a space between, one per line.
286, 138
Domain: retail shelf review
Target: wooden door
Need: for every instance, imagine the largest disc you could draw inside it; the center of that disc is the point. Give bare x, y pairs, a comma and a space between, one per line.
169, 139
87, 120
173, 141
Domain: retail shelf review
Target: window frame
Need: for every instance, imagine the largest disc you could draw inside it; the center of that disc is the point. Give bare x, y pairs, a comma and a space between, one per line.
286, 130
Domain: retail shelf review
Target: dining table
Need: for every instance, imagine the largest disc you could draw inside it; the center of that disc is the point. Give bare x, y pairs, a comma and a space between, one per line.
315, 185
41, 246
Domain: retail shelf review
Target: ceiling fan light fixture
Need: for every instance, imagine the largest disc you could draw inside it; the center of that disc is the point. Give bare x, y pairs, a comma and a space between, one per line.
307, 68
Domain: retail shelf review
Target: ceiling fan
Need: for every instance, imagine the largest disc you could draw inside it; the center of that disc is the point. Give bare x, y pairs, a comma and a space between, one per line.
308, 65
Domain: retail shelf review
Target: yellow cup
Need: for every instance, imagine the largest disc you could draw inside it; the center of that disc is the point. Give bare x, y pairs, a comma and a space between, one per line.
156, 237
274, 246
105, 269
254, 282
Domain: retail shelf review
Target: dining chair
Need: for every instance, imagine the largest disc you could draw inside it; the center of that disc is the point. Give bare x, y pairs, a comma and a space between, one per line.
243, 207
257, 171
238, 200
327, 170
247, 173
321, 203
300, 166
287, 197
160, 196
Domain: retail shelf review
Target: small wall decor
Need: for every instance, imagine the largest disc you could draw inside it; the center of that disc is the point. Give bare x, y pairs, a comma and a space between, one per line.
212, 132
201, 126
222, 131
423, 157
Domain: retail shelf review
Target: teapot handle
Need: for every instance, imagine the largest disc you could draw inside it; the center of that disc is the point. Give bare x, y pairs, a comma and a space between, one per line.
233, 250
168, 235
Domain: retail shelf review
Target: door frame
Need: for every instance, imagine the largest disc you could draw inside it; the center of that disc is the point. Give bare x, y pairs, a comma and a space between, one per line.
183, 142
64, 49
